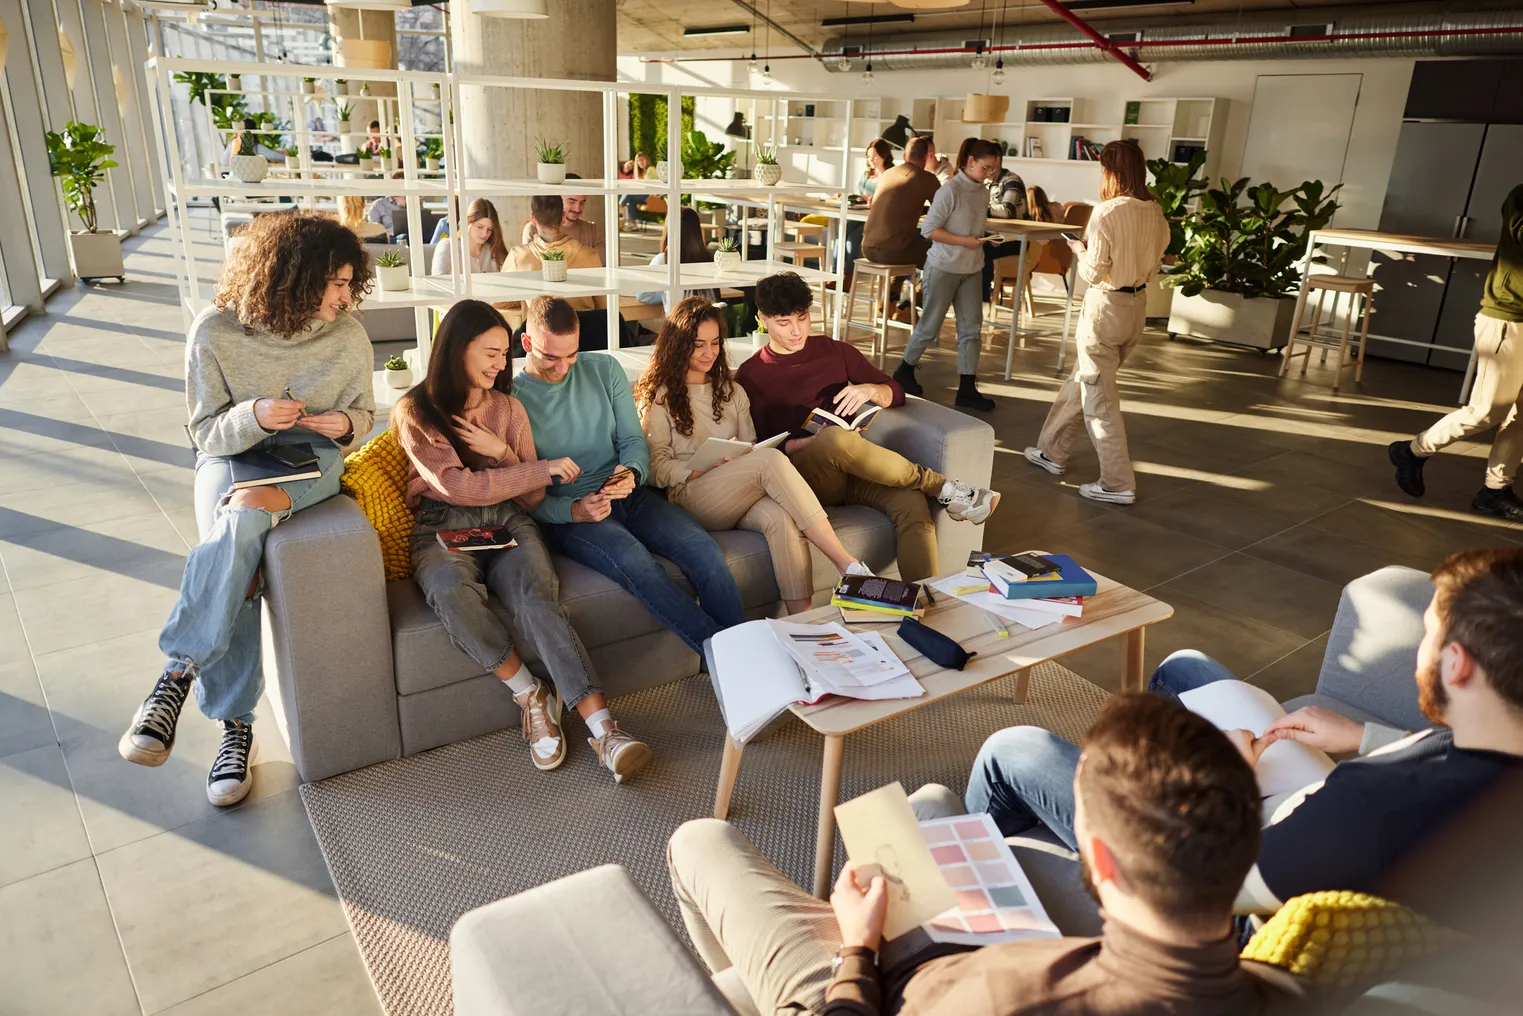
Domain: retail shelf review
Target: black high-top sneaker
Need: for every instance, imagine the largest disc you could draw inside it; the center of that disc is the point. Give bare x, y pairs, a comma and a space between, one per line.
151, 736
229, 780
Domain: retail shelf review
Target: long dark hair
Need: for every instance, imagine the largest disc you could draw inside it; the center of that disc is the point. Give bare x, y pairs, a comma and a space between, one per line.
1038, 206
665, 379
694, 247
975, 148
1123, 172
441, 395
885, 152
481, 208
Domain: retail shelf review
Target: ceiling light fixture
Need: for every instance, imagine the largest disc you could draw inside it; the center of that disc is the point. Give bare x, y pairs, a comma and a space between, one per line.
998, 77
867, 71
516, 9
880, 19
389, 5
717, 30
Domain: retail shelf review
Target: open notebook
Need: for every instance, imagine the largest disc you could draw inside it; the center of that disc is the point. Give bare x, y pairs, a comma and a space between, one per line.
1286, 766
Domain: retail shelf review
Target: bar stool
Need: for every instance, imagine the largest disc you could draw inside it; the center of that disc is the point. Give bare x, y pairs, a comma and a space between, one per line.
879, 283
1360, 292
812, 232
798, 253
753, 224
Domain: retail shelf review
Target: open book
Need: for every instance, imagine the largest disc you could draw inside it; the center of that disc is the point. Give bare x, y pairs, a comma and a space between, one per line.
716, 449
819, 419
760, 668
1286, 766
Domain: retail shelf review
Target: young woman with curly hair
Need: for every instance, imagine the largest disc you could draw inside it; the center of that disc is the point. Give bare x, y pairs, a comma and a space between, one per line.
276, 361
687, 395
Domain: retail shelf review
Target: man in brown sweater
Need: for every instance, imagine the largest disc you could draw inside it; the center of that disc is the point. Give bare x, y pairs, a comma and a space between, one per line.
892, 233
1167, 817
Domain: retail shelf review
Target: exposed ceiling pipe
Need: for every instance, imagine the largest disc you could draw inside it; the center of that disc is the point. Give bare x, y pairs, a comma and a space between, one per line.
755, 11
1098, 39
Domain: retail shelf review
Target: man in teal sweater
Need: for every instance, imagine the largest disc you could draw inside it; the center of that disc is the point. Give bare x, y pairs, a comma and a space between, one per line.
580, 408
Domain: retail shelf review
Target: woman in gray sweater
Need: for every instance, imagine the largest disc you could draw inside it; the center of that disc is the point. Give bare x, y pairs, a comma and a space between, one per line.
276, 360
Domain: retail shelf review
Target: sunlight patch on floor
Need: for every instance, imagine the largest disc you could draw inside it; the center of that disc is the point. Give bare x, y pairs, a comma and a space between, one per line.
1201, 476
1449, 514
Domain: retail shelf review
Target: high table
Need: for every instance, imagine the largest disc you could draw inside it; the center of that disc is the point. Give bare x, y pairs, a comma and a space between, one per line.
1026, 230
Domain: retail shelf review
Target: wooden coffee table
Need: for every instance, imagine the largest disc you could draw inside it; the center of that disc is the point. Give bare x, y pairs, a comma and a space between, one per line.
1116, 611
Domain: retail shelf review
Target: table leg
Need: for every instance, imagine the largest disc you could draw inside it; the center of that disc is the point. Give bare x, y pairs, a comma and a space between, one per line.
1131, 677
1068, 310
1469, 366
729, 768
1022, 683
1015, 309
825, 831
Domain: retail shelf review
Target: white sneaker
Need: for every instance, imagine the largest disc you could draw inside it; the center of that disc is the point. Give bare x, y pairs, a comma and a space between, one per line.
540, 719
1037, 457
619, 753
1095, 492
968, 504
858, 568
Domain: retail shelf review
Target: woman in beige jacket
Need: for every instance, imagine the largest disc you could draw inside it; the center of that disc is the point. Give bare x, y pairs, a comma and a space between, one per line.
687, 395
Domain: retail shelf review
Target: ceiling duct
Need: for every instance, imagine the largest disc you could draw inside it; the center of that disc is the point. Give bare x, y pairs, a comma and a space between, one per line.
1433, 30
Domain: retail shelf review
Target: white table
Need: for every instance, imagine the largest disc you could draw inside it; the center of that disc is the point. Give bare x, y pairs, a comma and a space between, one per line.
1026, 230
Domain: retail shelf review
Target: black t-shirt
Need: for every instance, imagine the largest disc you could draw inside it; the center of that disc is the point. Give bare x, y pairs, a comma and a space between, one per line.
1371, 811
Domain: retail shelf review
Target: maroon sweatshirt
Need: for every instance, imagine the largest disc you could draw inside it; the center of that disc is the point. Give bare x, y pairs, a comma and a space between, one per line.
784, 387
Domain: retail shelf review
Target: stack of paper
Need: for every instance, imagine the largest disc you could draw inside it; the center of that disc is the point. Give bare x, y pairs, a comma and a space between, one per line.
978, 594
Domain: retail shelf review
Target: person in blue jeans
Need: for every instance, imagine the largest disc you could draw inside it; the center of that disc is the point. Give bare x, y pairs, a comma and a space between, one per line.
580, 407
276, 360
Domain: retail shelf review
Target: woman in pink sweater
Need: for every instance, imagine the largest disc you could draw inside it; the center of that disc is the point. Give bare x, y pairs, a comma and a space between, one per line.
473, 464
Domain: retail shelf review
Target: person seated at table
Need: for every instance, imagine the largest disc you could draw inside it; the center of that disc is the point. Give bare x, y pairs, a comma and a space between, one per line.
796, 372
938, 166
471, 463
695, 250
1040, 208
381, 209
1370, 811
1167, 817
687, 395
351, 213
1007, 200
373, 142
486, 250
549, 215
640, 169
441, 228
581, 408
584, 231
891, 235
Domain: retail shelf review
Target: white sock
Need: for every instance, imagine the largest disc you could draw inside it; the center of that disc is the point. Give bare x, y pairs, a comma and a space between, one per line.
521, 681
947, 490
599, 722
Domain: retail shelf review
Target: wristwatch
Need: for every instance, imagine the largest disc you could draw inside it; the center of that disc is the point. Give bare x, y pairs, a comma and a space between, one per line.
852, 950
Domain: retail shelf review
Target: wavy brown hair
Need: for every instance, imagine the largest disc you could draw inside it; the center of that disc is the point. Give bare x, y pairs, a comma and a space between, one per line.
274, 280
1123, 172
665, 379
481, 208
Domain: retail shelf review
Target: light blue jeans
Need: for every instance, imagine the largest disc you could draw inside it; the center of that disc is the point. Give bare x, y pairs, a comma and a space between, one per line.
215, 623
942, 290
1025, 775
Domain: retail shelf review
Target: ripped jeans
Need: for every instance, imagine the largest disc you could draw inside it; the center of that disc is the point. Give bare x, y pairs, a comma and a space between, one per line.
215, 624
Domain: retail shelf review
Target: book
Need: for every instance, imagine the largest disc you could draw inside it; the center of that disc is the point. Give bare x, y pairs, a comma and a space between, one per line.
1071, 580
259, 468
1285, 766
976, 561
475, 538
1063, 606
1133, 113
873, 592
716, 449
818, 419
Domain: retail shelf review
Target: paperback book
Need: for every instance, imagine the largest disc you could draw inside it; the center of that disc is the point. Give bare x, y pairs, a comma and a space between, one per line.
281, 464
819, 419
476, 538
716, 449
875, 593
1070, 580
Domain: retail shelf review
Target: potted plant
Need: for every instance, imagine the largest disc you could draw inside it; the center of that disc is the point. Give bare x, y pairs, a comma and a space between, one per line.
308, 86
364, 88
431, 150
435, 87
383, 158
235, 82
344, 111
726, 255
552, 266
247, 164
768, 172
759, 333
391, 271
1176, 187
365, 162
398, 373
1239, 267
552, 161
340, 86
79, 158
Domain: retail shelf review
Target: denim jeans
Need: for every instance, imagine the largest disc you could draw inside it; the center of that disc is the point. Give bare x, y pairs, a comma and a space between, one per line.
1025, 775
621, 545
455, 583
215, 624
943, 290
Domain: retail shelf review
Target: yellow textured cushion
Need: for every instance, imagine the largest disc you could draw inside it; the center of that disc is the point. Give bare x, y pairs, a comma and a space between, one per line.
376, 477
1345, 939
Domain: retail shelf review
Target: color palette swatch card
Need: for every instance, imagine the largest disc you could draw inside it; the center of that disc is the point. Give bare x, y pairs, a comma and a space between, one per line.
995, 901
883, 838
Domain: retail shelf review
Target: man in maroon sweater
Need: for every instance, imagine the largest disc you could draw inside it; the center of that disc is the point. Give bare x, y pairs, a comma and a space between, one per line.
797, 372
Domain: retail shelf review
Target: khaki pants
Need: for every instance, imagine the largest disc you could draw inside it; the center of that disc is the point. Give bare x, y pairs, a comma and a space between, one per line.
1110, 326
843, 467
1495, 400
762, 492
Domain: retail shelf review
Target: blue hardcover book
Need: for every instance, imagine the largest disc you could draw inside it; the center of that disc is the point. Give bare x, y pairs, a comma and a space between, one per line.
1071, 580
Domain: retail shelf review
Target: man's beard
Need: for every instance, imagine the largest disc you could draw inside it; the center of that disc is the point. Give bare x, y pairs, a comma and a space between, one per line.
1432, 698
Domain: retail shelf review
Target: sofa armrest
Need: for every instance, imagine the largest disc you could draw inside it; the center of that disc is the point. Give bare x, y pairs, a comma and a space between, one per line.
587, 943
1371, 658
327, 657
954, 444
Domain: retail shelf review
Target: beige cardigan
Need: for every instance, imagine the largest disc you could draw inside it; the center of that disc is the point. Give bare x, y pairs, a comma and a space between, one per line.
670, 450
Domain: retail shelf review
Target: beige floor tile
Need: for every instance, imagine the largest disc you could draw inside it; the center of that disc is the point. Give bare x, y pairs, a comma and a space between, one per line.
1279, 596
1294, 674
83, 611
24, 719
66, 504
325, 980
1133, 551
22, 472
48, 834
146, 547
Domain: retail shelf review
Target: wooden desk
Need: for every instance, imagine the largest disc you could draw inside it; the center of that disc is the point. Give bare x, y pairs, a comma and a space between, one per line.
1116, 611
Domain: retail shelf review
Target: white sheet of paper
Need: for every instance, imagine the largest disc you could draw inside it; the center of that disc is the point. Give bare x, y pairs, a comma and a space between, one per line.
879, 829
755, 678
1285, 766
835, 659
1008, 610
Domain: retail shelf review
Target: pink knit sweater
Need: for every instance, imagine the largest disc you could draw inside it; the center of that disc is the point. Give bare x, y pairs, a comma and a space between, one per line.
437, 470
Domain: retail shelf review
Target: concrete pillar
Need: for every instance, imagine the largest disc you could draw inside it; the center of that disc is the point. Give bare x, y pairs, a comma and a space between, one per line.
377, 26
500, 124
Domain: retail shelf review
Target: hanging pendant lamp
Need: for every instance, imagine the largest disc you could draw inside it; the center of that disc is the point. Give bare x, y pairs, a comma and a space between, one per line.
510, 8
980, 108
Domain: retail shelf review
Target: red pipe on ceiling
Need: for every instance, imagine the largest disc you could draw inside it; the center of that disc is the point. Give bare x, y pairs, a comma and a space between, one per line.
1098, 39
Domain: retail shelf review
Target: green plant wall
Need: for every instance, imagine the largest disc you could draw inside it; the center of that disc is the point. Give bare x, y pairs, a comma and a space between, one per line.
647, 124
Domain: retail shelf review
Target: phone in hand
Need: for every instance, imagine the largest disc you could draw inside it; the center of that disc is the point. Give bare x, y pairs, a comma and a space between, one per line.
1073, 236
616, 476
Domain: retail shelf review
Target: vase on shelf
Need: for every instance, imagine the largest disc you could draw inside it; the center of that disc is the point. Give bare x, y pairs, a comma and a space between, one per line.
551, 172
249, 168
394, 278
308, 87
431, 164
385, 164
726, 261
235, 82
768, 173
343, 126
399, 378
366, 164
553, 271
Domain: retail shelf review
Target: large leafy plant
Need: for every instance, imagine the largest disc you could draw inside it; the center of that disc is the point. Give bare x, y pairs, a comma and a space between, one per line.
703, 159
1176, 185
79, 158
1249, 240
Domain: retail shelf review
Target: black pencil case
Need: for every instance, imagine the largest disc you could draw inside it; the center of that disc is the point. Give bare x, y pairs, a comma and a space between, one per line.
936, 647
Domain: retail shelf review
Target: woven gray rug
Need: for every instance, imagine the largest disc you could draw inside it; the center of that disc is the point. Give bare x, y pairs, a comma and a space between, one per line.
413, 844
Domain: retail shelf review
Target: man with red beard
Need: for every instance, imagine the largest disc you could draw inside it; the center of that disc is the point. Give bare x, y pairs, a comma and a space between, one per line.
1371, 811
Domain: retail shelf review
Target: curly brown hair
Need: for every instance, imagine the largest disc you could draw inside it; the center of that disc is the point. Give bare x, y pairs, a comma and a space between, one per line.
665, 379
274, 279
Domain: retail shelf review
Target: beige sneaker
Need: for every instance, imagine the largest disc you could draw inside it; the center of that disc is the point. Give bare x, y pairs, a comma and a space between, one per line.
622, 754
542, 725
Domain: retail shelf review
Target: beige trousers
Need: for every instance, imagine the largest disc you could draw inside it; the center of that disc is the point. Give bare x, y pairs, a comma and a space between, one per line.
761, 492
1110, 326
1495, 400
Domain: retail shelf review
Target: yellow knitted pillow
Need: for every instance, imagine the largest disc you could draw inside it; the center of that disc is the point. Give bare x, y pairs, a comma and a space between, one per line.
376, 477
1345, 939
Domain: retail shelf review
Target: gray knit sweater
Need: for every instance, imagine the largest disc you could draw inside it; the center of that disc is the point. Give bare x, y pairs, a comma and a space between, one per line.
228, 368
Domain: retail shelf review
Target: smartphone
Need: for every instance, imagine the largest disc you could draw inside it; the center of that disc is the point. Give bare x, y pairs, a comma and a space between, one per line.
616, 476
294, 456
1073, 236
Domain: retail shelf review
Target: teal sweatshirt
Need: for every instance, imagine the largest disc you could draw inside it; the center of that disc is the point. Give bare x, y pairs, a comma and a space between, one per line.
589, 418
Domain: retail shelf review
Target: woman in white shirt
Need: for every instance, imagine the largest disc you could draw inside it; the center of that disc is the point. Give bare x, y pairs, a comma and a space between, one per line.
487, 251
1122, 250
694, 250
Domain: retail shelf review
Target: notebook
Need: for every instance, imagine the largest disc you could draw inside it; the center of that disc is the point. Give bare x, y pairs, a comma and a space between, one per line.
258, 468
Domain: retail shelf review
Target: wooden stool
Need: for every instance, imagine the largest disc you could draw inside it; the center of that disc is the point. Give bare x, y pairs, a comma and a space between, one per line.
880, 283
813, 232
798, 253
1319, 286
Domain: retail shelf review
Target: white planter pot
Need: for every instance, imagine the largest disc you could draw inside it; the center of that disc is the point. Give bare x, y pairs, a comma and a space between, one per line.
551, 172
432, 165
365, 88
399, 378
385, 164
435, 87
758, 339
1259, 323
768, 173
553, 271
395, 279
343, 126
97, 255
235, 82
308, 87
1160, 299
249, 168
365, 165
340, 88
726, 261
